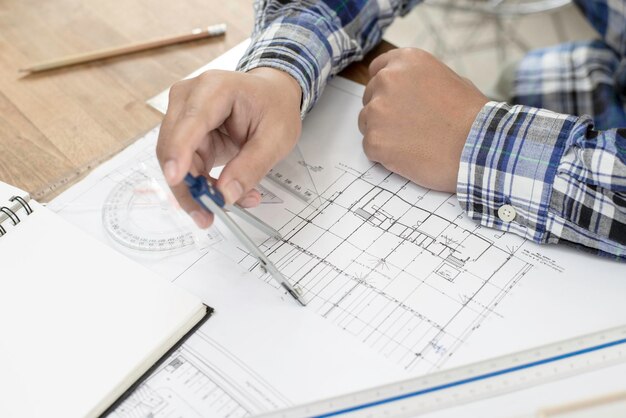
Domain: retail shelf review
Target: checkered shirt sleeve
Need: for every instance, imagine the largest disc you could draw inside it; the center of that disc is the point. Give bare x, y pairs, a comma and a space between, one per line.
565, 180
313, 40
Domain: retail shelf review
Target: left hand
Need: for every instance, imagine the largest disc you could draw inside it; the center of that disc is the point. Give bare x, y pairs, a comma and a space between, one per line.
416, 117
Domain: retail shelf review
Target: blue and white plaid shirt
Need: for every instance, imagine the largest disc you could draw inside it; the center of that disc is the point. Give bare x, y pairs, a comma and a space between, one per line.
557, 155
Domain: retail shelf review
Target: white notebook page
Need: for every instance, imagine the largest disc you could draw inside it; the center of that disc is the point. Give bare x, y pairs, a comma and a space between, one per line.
78, 321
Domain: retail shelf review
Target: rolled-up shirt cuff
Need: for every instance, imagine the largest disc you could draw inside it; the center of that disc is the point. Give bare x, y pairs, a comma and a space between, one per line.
508, 165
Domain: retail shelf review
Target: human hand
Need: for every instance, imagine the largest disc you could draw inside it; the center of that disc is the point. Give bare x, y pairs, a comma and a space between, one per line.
416, 117
248, 121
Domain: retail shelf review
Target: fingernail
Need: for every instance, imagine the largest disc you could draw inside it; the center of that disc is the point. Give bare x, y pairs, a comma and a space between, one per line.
232, 192
249, 201
198, 218
170, 170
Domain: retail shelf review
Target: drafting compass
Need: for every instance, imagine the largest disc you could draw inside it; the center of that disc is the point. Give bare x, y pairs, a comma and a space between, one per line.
212, 200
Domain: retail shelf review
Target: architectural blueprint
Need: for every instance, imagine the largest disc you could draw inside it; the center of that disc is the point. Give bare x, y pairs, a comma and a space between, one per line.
201, 379
399, 282
396, 266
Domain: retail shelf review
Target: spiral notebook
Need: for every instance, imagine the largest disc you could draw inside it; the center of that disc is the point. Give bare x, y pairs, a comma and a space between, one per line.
79, 322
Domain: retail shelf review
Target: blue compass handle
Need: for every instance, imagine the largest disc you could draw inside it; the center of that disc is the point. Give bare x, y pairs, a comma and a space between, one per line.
199, 186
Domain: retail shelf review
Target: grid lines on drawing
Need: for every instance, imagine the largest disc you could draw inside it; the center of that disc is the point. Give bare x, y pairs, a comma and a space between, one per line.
395, 265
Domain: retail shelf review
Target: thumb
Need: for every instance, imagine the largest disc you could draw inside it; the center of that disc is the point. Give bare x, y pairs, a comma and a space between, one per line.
250, 165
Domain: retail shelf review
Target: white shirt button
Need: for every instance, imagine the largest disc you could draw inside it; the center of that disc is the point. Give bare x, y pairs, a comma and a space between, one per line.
506, 213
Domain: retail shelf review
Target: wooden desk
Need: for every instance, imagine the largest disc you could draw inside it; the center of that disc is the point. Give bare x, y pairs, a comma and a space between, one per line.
56, 126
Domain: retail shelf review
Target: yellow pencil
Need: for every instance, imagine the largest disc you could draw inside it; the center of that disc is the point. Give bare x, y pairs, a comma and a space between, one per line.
211, 31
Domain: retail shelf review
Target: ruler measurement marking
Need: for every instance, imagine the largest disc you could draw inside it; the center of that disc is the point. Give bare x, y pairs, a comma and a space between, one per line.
290, 185
473, 379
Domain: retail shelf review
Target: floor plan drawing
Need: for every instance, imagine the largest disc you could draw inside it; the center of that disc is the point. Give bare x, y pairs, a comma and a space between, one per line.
395, 265
201, 379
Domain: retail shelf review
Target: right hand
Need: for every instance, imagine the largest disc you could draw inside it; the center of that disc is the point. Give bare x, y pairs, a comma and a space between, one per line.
248, 121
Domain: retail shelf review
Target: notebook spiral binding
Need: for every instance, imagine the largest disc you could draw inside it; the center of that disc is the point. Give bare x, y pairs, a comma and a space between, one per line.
9, 213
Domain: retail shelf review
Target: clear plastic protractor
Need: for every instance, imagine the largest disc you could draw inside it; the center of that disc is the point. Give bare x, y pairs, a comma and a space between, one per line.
141, 214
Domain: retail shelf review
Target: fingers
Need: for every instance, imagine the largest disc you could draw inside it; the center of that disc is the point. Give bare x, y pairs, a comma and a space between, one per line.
375, 85
399, 55
206, 153
196, 118
372, 117
363, 121
250, 199
200, 216
221, 115
380, 62
224, 148
251, 164
177, 99
373, 91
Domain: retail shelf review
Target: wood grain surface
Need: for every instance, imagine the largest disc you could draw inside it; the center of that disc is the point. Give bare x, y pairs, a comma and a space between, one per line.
56, 126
